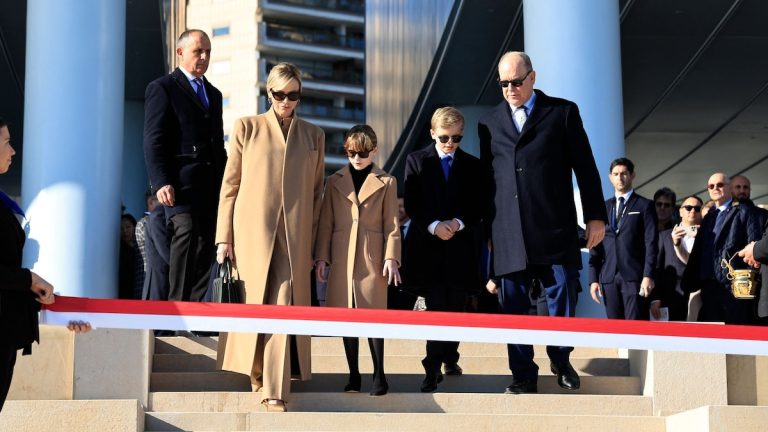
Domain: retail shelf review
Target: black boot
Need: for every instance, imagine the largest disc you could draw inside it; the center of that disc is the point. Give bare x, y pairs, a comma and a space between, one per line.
351, 348
380, 386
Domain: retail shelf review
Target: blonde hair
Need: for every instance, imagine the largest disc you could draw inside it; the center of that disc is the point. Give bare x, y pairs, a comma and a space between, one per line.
360, 138
447, 117
282, 73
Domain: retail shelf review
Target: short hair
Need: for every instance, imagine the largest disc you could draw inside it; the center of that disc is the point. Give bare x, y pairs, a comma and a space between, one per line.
181, 42
360, 138
522, 55
665, 192
623, 162
696, 197
447, 117
282, 73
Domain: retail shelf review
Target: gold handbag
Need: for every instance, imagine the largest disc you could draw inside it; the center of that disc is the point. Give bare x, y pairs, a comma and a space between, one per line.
744, 282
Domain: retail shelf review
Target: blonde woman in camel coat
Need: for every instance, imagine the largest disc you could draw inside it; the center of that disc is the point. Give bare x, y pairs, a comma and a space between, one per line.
358, 240
268, 211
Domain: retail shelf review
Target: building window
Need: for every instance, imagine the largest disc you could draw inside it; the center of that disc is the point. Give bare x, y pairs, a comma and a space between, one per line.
220, 31
225, 102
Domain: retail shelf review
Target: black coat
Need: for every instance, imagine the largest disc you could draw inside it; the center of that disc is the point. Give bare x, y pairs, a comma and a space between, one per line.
631, 249
761, 255
184, 142
18, 307
533, 215
431, 262
668, 278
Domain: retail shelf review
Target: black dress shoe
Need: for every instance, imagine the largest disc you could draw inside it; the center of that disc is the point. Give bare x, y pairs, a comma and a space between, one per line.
567, 377
380, 388
453, 369
431, 378
353, 386
522, 386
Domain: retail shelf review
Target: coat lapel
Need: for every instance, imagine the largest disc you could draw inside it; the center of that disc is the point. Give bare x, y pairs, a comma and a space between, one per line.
371, 184
541, 109
182, 81
345, 186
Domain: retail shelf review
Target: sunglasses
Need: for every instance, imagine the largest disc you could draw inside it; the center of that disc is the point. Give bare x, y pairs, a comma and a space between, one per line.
716, 186
660, 204
280, 96
515, 83
694, 208
363, 154
454, 138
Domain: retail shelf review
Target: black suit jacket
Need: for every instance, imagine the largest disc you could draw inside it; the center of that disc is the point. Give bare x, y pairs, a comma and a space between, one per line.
184, 142
740, 226
18, 308
533, 215
433, 263
630, 249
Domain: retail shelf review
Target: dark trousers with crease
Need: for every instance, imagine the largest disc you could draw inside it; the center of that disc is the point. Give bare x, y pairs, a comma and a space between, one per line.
449, 299
7, 362
192, 250
559, 285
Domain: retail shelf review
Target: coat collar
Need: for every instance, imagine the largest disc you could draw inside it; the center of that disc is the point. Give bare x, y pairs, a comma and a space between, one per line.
274, 124
372, 183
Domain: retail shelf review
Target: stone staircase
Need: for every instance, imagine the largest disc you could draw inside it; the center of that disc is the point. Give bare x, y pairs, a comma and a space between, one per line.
187, 393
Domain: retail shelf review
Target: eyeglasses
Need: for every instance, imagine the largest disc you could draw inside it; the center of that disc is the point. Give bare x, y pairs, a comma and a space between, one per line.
363, 154
280, 96
690, 207
660, 204
515, 83
716, 186
454, 138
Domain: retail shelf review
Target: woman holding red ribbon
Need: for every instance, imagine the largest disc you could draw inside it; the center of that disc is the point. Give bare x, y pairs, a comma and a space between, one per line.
21, 290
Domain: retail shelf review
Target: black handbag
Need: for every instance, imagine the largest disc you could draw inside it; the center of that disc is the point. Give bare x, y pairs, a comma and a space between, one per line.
227, 287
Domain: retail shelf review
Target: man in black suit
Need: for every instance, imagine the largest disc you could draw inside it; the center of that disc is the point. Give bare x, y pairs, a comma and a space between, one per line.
532, 144
675, 246
444, 198
741, 189
725, 230
621, 268
184, 151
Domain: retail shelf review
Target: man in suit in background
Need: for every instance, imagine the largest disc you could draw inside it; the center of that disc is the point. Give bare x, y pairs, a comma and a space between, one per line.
741, 189
725, 230
531, 145
401, 297
444, 198
184, 152
621, 268
675, 246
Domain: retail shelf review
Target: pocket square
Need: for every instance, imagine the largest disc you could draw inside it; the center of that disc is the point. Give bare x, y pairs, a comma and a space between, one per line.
633, 213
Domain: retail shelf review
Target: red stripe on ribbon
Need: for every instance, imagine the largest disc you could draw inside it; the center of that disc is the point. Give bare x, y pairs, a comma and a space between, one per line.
381, 316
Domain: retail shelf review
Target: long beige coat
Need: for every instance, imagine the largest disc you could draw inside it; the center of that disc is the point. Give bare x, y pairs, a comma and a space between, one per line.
264, 173
356, 233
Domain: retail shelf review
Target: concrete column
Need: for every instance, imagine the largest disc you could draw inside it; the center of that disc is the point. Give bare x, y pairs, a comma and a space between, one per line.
74, 96
576, 53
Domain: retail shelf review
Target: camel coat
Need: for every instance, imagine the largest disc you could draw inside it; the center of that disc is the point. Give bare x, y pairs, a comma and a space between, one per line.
270, 173
355, 235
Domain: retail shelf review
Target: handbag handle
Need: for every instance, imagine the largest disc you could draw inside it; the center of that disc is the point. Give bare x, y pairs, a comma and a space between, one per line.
225, 269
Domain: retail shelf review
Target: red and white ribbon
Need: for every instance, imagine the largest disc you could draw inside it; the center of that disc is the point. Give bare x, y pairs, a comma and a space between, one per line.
390, 324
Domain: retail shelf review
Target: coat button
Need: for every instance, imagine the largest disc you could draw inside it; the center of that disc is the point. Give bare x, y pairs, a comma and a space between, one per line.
515, 196
519, 170
194, 148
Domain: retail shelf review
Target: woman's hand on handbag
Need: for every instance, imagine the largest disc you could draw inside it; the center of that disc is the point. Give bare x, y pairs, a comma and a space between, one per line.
391, 272
224, 250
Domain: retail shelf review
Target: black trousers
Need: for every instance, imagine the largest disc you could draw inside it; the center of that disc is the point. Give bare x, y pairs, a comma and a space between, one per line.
192, 250
449, 299
623, 300
7, 362
158, 251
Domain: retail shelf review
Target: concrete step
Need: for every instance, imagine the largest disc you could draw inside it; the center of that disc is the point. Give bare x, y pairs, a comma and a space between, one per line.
118, 415
305, 421
455, 403
398, 364
334, 346
399, 383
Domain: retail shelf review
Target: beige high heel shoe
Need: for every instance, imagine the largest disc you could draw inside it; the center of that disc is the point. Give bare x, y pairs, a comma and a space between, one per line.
274, 405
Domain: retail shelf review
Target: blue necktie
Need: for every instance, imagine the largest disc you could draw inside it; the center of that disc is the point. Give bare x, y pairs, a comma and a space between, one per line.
719, 220
200, 92
619, 212
446, 163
